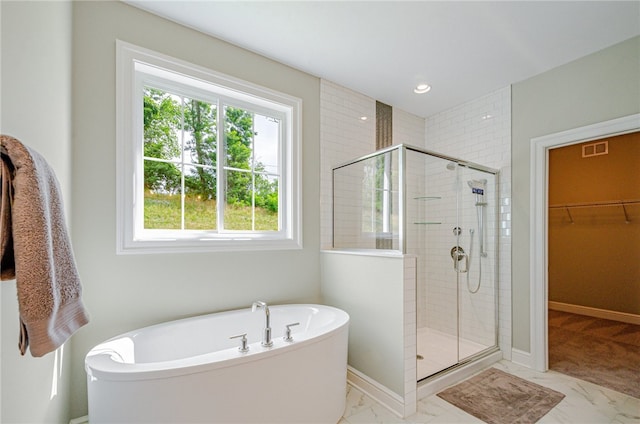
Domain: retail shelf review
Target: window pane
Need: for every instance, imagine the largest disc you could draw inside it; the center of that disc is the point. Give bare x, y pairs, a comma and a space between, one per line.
238, 138
266, 213
199, 207
162, 124
267, 134
161, 177
162, 208
238, 214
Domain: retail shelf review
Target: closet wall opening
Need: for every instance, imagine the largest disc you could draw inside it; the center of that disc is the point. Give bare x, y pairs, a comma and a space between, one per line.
593, 266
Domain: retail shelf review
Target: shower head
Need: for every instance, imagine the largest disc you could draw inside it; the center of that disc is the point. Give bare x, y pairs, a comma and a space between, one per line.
478, 186
451, 166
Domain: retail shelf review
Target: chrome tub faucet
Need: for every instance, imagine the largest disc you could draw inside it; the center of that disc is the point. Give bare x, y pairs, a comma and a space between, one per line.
266, 339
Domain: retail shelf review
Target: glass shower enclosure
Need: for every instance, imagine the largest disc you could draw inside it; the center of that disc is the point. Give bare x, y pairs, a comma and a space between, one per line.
443, 211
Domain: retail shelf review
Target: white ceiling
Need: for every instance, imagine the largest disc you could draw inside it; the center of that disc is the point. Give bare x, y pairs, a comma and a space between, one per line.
384, 48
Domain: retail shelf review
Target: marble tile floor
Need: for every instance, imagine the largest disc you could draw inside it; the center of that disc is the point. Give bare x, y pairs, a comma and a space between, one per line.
584, 403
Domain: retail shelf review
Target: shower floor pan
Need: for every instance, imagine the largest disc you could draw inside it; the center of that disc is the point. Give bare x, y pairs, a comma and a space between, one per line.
438, 351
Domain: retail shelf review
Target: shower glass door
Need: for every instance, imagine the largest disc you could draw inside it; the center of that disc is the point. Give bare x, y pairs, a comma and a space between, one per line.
451, 229
432, 204
477, 312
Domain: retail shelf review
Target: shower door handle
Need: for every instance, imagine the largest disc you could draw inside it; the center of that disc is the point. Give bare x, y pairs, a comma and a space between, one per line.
466, 263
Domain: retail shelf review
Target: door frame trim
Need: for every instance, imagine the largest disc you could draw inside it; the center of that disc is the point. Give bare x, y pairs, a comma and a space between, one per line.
538, 225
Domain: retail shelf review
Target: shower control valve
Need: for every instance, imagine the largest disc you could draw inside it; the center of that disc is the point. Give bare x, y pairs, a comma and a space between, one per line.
458, 254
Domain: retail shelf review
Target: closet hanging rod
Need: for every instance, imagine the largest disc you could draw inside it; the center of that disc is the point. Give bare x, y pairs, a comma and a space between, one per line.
595, 204
622, 203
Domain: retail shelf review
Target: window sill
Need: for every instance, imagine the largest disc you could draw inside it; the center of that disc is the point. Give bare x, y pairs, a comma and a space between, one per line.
228, 244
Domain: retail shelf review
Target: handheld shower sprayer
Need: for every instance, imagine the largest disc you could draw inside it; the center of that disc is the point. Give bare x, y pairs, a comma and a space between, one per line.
478, 187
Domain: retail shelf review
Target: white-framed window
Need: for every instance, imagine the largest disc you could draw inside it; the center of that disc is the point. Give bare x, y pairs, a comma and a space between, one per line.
205, 161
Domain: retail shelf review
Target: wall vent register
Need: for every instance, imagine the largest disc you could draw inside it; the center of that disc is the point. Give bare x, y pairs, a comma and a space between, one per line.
595, 149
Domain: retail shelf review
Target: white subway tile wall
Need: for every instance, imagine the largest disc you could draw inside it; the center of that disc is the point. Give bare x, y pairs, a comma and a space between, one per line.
480, 131
407, 128
344, 135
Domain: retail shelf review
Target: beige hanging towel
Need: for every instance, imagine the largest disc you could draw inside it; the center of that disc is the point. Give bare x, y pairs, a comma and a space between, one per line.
35, 250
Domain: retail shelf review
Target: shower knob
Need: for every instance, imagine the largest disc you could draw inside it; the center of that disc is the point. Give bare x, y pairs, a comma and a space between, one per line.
457, 253
457, 231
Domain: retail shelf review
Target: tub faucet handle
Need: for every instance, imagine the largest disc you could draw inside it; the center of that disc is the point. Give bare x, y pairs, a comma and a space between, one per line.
287, 332
243, 342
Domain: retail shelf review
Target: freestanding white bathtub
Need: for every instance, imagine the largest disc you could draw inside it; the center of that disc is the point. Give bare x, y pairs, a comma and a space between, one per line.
190, 371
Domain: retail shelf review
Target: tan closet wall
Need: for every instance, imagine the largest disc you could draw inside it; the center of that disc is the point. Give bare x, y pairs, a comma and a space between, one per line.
594, 251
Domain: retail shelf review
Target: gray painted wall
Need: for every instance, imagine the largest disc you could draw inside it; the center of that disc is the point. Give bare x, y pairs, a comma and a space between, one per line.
599, 87
36, 108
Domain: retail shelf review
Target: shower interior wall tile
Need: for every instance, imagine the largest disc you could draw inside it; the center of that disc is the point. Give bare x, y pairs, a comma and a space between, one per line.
343, 136
477, 131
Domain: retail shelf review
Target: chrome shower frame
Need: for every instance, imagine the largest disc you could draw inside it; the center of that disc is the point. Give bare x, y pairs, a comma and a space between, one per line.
400, 244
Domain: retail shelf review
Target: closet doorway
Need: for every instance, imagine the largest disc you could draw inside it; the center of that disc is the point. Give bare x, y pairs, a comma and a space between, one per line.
593, 245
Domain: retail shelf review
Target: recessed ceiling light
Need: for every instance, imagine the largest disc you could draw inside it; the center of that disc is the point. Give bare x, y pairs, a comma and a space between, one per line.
422, 88
363, 118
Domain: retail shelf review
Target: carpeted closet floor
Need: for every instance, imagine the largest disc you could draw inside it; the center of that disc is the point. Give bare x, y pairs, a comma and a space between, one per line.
597, 350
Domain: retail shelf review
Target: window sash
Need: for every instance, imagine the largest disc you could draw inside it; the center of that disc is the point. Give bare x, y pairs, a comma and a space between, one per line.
221, 157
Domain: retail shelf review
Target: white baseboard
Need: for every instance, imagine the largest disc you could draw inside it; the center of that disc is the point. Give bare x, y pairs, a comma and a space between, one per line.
376, 391
595, 312
521, 358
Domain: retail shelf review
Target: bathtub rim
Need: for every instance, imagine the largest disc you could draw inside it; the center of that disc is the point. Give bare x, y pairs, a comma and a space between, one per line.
102, 366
